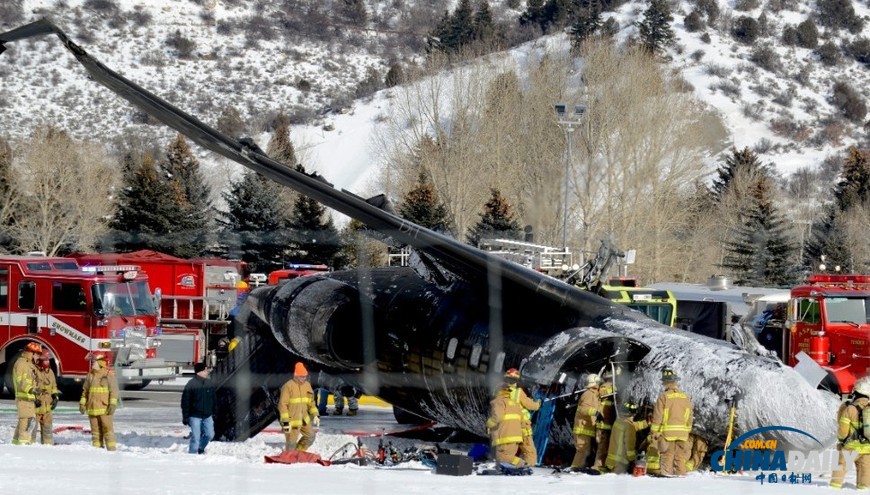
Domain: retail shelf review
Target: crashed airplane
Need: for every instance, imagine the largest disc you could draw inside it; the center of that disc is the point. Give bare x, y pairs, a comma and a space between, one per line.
435, 339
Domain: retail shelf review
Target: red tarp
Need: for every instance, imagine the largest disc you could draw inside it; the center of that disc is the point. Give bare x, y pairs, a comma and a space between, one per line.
294, 457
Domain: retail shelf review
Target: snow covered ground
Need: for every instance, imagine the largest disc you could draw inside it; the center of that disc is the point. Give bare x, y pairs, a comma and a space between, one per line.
152, 459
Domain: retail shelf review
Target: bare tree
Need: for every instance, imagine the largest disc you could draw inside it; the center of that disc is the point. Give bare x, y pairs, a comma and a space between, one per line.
65, 189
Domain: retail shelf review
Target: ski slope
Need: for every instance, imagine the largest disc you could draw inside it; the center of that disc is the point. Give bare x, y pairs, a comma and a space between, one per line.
152, 459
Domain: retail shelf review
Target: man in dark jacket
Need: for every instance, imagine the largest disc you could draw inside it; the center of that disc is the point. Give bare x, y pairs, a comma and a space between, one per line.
198, 403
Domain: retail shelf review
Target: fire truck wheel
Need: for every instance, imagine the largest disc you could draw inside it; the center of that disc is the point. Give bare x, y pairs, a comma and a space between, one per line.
137, 386
6, 379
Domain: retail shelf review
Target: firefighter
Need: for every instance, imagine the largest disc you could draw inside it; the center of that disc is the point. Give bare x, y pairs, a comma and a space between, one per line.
699, 451
621, 449
852, 434
527, 449
100, 399
504, 425
47, 396
297, 411
604, 426
588, 413
352, 393
671, 425
24, 376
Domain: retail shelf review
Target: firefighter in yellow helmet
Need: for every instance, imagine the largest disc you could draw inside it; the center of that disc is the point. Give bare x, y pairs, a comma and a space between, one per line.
527, 450
621, 449
853, 435
588, 413
24, 376
504, 424
604, 425
297, 411
46, 398
671, 424
100, 399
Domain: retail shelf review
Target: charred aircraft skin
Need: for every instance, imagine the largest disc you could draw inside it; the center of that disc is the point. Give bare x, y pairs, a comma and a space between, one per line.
435, 339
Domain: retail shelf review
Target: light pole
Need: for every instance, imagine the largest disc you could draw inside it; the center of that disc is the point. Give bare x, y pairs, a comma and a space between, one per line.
568, 122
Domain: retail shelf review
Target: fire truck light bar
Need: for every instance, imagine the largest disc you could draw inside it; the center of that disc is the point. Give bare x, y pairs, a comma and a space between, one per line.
838, 279
110, 268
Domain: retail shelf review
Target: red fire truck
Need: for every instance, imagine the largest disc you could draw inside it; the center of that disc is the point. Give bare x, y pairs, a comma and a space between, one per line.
195, 298
73, 310
828, 318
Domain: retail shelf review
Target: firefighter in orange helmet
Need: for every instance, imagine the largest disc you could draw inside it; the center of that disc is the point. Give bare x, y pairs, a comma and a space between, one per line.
100, 399
297, 411
588, 413
46, 398
504, 425
670, 426
24, 376
527, 450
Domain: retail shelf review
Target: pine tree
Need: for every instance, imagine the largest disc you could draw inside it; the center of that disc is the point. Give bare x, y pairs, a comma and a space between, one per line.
421, 206
314, 236
280, 147
147, 209
496, 221
656, 32
395, 76
738, 163
193, 200
829, 236
256, 223
762, 251
462, 24
484, 26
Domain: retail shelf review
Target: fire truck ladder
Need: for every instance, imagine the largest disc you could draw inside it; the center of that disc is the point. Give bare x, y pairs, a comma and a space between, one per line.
210, 306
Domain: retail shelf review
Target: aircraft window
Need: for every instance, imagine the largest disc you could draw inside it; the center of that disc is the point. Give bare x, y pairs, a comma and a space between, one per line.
4, 288
68, 297
474, 358
451, 348
26, 295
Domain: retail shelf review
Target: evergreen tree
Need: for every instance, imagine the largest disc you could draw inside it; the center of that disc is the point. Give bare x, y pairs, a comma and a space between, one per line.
656, 33
535, 15
146, 217
192, 197
395, 76
496, 221
280, 147
585, 26
829, 236
462, 23
762, 251
315, 237
484, 26
743, 162
421, 206
255, 225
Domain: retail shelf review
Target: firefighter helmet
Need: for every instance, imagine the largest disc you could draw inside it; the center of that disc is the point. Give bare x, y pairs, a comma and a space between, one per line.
592, 380
33, 347
103, 356
630, 407
512, 374
669, 375
862, 387
300, 370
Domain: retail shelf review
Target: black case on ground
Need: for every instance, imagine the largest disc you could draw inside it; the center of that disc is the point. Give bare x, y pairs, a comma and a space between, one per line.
454, 465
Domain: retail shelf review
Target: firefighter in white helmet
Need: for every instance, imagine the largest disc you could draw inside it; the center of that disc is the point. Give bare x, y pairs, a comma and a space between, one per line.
588, 413
853, 433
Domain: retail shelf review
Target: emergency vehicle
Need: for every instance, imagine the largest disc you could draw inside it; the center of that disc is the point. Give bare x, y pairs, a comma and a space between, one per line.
72, 311
195, 298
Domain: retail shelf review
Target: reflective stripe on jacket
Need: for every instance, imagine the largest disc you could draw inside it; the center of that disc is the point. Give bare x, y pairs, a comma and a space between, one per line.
608, 410
24, 375
672, 416
588, 407
99, 391
519, 396
296, 403
850, 422
46, 386
505, 418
